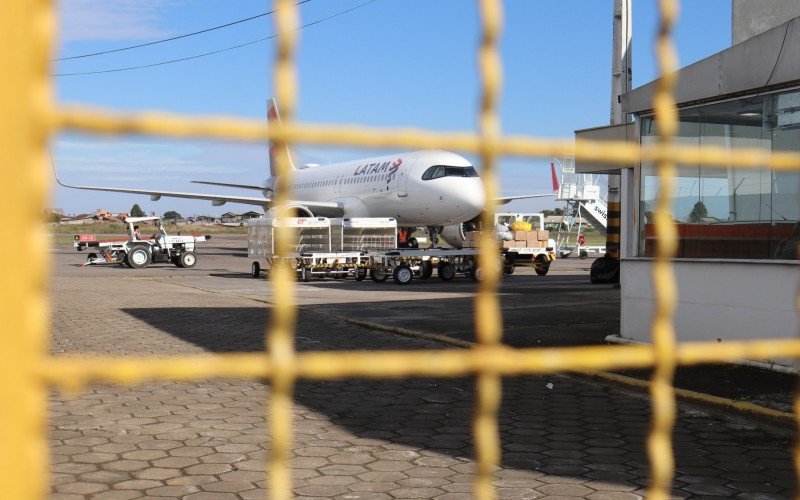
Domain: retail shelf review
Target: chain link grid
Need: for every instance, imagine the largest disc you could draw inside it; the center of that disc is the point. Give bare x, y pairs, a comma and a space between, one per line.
29, 24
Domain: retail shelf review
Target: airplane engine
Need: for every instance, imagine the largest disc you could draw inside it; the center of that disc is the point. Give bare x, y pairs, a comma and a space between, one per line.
291, 211
455, 234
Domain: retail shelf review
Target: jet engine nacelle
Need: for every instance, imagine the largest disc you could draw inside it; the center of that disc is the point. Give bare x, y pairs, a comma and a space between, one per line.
293, 210
454, 235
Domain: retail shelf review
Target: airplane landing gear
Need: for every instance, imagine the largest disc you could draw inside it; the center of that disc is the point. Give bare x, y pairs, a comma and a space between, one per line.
433, 234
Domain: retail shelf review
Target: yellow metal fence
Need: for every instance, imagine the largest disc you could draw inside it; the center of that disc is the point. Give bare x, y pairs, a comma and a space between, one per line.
29, 117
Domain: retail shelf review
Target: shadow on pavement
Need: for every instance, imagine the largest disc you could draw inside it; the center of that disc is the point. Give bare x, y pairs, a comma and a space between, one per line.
550, 425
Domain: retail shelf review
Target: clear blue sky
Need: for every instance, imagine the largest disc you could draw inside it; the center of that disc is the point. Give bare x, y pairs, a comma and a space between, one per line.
389, 63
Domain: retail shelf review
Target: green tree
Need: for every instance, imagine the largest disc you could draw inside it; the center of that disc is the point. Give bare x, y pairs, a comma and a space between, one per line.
172, 215
136, 211
559, 211
699, 212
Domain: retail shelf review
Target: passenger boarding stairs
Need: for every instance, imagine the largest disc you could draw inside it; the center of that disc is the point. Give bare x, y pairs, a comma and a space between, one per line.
582, 194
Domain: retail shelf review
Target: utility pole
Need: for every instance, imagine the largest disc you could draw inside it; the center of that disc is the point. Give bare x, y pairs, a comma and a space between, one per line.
621, 80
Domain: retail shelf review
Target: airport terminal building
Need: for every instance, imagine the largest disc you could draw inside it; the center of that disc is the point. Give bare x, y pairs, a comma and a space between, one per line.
737, 263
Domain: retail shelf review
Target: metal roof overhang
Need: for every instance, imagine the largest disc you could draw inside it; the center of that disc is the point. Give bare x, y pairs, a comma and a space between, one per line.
766, 62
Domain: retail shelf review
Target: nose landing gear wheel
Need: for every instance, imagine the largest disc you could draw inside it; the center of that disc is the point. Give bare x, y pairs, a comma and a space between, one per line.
446, 271
255, 270
403, 274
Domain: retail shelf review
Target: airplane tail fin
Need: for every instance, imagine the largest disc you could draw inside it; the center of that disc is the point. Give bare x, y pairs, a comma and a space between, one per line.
554, 176
274, 116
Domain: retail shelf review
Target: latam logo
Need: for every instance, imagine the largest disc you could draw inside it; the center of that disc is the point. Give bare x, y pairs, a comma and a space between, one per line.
390, 168
393, 170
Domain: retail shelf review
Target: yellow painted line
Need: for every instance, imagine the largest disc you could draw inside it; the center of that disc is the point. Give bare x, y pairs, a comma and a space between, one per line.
732, 404
699, 397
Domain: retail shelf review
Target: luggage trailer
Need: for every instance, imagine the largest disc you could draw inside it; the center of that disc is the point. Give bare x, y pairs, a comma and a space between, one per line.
323, 247
357, 247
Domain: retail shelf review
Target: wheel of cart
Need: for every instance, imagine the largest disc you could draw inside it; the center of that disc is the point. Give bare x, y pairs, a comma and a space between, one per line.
187, 259
91, 257
425, 270
583, 254
305, 274
255, 269
360, 274
138, 257
477, 273
542, 265
446, 270
402, 274
508, 264
378, 275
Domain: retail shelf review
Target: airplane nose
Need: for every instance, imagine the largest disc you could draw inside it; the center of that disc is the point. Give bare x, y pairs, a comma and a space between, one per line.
472, 198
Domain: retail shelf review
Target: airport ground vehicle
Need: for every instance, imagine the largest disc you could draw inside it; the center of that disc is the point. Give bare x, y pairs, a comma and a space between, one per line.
138, 254
404, 264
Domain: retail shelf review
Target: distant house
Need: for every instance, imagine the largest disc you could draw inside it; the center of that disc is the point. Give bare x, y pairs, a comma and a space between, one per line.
252, 214
229, 217
206, 219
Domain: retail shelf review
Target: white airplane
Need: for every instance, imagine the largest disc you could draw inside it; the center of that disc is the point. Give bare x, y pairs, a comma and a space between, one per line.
434, 189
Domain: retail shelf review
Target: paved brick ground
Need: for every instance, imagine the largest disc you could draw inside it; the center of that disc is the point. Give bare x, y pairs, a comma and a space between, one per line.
355, 438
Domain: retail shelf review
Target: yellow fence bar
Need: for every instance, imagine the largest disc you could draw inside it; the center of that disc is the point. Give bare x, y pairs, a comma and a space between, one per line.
70, 372
280, 333
488, 322
659, 442
27, 31
222, 128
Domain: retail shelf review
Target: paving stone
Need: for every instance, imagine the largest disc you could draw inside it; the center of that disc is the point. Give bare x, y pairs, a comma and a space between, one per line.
118, 495
326, 491
228, 486
416, 492
157, 473
137, 484
126, 465
81, 488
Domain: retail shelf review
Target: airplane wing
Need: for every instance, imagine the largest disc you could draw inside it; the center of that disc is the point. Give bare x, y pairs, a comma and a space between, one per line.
508, 199
328, 209
239, 186
215, 199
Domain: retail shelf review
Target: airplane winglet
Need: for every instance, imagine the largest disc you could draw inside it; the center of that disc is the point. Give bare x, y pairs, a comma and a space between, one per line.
55, 171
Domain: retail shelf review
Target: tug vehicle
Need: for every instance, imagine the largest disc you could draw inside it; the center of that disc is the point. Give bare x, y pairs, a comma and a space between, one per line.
138, 254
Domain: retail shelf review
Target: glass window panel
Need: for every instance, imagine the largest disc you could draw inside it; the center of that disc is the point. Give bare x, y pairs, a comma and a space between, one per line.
724, 212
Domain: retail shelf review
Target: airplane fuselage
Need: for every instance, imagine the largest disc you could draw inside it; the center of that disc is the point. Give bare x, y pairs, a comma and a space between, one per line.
408, 187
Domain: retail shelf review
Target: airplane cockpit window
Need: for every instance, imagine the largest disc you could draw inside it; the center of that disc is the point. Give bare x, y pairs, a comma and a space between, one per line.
437, 171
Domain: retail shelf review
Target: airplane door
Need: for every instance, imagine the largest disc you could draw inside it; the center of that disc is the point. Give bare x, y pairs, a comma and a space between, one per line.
402, 181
